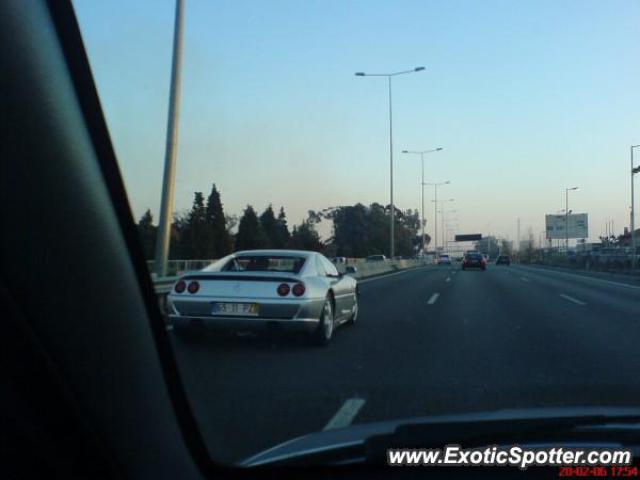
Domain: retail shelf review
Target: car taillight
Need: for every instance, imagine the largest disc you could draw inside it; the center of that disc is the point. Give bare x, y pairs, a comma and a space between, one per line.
180, 286
298, 289
193, 287
283, 289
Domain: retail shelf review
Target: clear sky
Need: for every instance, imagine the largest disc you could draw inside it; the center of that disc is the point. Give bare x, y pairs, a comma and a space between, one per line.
526, 98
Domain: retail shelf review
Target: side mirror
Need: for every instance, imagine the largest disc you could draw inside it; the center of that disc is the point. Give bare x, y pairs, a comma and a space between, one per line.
350, 269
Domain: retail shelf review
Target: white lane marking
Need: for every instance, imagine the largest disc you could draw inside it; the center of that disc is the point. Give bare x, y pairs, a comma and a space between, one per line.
448, 279
345, 415
524, 279
433, 299
571, 299
168, 328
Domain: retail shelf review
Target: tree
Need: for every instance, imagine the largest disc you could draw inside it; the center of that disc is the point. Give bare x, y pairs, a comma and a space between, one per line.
282, 235
147, 233
350, 230
407, 228
219, 241
305, 237
179, 242
250, 234
198, 235
269, 226
360, 231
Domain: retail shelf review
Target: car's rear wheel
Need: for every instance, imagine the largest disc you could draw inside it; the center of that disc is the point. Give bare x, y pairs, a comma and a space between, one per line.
322, 335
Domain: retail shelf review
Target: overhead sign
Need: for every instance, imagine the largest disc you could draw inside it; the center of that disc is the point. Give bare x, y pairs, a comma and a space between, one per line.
574, 225
470, 237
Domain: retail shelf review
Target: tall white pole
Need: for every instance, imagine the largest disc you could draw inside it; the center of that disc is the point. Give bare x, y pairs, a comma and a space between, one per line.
393, 209
566, 221
422, 185
633, 215
168, 183
435, 217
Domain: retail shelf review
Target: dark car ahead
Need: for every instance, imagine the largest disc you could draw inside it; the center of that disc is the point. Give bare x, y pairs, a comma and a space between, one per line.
503, 260
474, 260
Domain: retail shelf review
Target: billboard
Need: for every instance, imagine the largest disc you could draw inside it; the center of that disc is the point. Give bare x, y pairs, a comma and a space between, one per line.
469, 237
578, 226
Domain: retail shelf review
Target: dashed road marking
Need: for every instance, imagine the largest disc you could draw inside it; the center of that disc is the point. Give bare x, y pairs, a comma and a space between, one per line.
524, 279
433, 299
448, 279
571, 299
345, 415
168, 328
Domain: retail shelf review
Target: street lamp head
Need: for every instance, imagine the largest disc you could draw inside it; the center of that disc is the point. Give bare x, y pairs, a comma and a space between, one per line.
359, 74
405, 151
417, 69
438, 149
447, 182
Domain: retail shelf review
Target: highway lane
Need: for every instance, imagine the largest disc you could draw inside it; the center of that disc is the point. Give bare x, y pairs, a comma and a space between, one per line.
428, 341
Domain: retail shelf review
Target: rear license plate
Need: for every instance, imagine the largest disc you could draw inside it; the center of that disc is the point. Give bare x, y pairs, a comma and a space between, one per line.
247, 309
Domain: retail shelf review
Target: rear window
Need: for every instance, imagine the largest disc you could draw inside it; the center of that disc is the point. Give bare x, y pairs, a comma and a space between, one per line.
474, 256
263, 263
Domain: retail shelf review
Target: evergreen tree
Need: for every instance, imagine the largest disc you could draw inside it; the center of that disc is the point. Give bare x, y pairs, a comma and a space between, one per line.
269, 227
197, 232
219, 240
179, 242
147, 233
283, 235
250, 234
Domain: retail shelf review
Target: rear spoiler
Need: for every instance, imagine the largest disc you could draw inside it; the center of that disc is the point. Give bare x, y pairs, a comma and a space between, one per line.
241, 278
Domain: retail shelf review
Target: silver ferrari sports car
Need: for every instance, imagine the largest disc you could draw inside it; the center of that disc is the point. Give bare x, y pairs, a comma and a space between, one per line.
254, 289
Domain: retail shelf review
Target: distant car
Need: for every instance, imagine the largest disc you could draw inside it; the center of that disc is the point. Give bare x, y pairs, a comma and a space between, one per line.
444, 260
503, 260
474, 260
376, 258
260, 289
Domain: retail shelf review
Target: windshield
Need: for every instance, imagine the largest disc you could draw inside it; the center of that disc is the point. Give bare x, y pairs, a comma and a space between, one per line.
384, 136
263, 263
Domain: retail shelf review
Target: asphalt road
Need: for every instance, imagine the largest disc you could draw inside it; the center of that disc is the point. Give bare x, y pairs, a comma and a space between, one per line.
427, 341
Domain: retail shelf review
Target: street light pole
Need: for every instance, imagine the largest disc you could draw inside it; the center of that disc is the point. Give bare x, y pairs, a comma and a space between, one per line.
633, 213
422, 152
168, 183
392, 221
393, 212
435, 216
566, 218
443, 217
